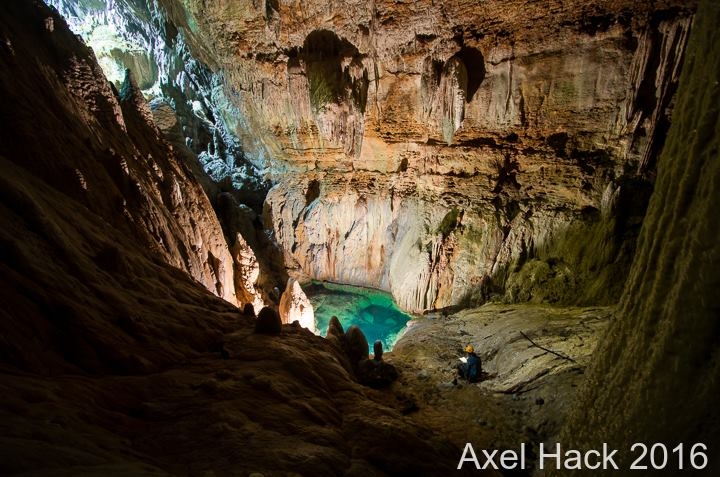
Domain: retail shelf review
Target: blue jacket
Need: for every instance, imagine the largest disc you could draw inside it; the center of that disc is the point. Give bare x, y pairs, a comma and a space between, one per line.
473, 368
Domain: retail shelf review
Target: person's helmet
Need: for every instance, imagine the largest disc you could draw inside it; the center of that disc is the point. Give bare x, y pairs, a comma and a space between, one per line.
469, 349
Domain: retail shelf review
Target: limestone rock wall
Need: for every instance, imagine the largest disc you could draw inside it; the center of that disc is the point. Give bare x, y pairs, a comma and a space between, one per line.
467, 137
400, 73
422, 252
659, 356
101, 149
433, 148
173, 68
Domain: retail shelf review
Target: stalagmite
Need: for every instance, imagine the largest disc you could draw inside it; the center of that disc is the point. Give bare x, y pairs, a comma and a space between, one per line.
295, 306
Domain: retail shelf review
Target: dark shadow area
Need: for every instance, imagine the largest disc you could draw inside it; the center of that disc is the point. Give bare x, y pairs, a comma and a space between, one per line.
474, 62
323, 53
313, 192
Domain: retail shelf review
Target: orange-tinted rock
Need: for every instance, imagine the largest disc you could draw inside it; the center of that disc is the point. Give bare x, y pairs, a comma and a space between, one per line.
111, 342
514, 129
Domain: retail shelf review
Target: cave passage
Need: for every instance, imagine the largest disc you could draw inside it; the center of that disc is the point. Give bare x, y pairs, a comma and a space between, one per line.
374, 311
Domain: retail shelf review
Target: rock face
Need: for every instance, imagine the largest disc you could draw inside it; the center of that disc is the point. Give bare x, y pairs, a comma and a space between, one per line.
114, 357
110, 159
445, 151
659, 356
525, 393
295, 306
247, 271
161, 48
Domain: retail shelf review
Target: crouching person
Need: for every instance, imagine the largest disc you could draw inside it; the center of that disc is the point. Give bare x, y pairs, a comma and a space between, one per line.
471, 367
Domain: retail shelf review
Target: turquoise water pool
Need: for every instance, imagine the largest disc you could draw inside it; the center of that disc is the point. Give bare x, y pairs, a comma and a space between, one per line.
372, 310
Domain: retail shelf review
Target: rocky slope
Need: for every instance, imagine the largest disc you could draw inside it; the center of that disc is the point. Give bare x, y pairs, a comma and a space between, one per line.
111, 342
526, 392
161, 49
190, 107
446, 151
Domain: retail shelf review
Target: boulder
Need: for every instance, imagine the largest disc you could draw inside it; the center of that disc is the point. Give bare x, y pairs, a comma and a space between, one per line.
268, 322
375, 373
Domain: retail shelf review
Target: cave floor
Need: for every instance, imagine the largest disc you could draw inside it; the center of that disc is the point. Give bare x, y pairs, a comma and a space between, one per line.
284, 406
526, 391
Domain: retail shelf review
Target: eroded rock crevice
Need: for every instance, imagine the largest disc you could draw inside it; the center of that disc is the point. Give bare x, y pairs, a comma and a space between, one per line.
655, 72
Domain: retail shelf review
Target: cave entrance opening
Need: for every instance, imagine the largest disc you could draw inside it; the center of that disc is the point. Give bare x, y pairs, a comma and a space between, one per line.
374, 311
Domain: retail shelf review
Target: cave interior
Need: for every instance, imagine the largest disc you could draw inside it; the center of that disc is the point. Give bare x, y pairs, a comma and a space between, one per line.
255, 237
